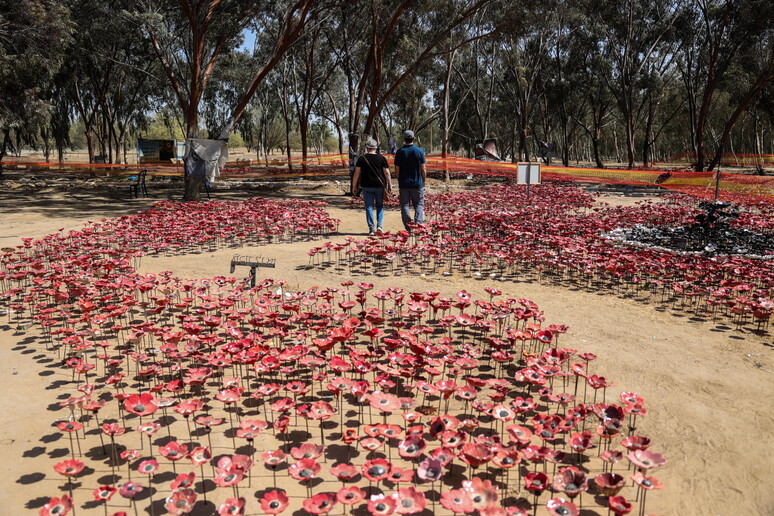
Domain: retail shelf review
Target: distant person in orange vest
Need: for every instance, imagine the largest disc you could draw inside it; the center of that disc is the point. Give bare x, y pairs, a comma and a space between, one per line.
412, 174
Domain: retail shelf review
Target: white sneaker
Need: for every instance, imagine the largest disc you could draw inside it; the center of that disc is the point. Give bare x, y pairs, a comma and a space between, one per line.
379, 231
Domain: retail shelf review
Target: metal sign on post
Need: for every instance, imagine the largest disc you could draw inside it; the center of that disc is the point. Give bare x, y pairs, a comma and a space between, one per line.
253, 262
528, 174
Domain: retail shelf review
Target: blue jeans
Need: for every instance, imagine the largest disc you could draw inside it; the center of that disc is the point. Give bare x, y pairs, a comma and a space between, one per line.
373, 197
416, 197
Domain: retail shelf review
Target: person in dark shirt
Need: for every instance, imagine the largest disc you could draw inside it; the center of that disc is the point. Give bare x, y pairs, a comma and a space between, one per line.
412, 173
373, 173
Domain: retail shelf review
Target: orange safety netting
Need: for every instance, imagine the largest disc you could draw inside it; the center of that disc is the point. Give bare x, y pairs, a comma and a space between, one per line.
733, 187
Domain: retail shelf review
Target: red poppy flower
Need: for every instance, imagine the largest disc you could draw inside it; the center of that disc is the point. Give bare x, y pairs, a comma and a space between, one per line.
475, 454
181, 502
561, 507
57, 506
304, 469
536, 482
130, 454
619, 505
307, 451
520, 434
229, 477
200, 455
344, 471
321, 410
609, 484
506, 458
376, 470
104, 493
174, 450
209, 421
321, 503
400, 475
636, 442
409, 501
350, 495
371, 443
69, 468
188, 407
611, 456
274, 501
274, 458
140, 404
380, 505
183, 481
69, 426
282, 405
232, 507
457, 500
454, 438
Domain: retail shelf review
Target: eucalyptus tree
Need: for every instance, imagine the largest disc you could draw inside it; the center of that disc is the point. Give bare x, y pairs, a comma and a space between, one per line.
34, 35
639, 41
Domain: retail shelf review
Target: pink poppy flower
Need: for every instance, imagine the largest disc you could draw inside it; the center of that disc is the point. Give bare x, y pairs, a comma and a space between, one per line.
200, 455
148, 467
646, 459
69, 468
350, 495
104, 493
57, 506
130, 489
611, 456
649, 483
209, 421
520, 434
384, 402
371, 443
113, 429
380, 505
274, 501
411, 447
636, 442
430, 469
188, 407
304, 469
181, 502
408, 500
232, 507
321, 503
561, 507
457, 500
483, 494
506, 458
571, 481
320, 411
619, 505
376, 470
273, 458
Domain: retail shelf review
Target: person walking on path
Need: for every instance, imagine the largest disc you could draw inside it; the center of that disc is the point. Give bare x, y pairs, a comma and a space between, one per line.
373, 172
412, 173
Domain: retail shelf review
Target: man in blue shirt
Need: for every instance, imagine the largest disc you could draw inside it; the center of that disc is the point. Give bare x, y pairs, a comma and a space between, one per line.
411, 171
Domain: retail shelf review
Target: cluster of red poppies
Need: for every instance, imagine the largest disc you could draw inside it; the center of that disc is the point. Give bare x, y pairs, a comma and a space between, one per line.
418, 401
557, 233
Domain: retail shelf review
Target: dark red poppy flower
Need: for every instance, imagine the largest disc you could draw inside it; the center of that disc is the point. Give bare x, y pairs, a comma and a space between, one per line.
537, 482
570, 481
619, 505
609, 484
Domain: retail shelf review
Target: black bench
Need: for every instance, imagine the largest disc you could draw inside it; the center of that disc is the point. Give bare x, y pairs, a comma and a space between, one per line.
138, 189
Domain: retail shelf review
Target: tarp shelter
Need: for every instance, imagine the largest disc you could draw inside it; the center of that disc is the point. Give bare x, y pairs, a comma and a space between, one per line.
205, 158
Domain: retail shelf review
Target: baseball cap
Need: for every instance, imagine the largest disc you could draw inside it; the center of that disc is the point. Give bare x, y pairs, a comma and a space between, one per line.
408, 135
371, 143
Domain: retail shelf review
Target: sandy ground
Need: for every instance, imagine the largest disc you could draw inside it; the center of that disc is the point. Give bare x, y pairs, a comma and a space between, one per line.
708, 388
